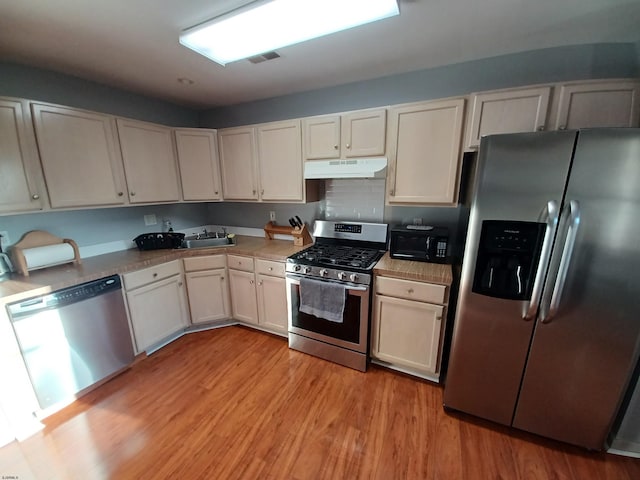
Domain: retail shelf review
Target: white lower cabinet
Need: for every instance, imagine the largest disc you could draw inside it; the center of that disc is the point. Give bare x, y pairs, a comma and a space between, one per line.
242, 285
207, 288
408, 325
272, 296
157, 303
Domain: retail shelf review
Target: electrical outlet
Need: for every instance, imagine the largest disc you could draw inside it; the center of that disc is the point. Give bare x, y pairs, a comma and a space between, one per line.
5, 241
272, 216
417, 221
150, 219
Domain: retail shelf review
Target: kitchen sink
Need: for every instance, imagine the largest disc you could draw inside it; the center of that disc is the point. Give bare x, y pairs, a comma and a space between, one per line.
197, 241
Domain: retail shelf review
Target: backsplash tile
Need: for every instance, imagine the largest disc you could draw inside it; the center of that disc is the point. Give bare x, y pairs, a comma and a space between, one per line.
354, 199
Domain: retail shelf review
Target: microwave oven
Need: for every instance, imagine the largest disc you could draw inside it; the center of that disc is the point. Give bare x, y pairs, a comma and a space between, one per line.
419, 243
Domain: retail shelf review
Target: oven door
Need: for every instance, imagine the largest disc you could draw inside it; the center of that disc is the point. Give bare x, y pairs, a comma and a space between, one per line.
351, 333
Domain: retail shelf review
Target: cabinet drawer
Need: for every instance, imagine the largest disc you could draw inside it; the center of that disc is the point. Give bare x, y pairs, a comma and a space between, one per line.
423, 292
209, 262
151, 274
268, 267
240, 263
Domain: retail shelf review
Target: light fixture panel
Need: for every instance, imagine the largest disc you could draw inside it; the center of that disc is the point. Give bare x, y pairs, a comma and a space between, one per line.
268, 25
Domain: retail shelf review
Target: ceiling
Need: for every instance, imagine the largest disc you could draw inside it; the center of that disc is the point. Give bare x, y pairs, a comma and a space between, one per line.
134, 44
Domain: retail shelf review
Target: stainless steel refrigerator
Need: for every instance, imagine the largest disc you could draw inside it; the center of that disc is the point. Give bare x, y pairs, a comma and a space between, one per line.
547, 327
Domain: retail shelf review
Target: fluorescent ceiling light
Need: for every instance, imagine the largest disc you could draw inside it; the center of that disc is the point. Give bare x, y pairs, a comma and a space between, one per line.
264, 26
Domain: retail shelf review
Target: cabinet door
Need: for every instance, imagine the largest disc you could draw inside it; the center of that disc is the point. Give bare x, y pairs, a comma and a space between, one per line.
198, 161
208, 293
511, 111
238, 163
321, 137
406, 333
21, 186
424, 152
243, 296
272, 303
80, 157
363, 133
149, 162
280, 160
599, 104
157, 311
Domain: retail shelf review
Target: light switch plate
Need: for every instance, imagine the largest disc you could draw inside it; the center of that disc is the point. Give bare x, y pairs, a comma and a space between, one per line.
150, 219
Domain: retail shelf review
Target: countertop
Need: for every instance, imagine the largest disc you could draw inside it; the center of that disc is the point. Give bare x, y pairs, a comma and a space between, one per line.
425, 272
40, 282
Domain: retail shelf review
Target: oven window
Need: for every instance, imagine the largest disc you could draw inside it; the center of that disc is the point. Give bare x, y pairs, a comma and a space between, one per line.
348, 330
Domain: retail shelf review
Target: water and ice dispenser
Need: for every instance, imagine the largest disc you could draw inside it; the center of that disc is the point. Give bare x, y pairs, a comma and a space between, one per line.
507, 260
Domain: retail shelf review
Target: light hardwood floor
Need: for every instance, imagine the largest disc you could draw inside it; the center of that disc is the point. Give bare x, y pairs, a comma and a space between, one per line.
237, 403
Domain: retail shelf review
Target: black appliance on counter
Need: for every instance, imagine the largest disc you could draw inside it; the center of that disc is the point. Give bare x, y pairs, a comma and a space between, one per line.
422, 243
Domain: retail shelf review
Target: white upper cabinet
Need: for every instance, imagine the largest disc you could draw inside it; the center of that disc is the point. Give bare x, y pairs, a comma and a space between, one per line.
507, 111
199, 167
424, 152
149, 161
280, 161
355, 134
238, 162
598, 104
80, 157
21, 185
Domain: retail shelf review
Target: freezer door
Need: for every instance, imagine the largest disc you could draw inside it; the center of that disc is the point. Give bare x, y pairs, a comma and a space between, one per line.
518, 178
586, 343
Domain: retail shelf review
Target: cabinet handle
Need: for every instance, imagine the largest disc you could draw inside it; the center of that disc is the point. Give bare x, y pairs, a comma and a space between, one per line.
35, 196
541, 128
562, 127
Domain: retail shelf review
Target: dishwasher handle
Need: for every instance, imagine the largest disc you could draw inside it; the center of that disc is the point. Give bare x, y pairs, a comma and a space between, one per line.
65, 296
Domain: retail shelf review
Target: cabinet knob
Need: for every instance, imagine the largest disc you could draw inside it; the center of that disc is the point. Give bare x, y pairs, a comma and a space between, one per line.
348, 145
254, 191
271, 269
155, 275
260, 283
251, 282
391, 192
335, 147
562, 127
133, 194
222, 278
540, 128
216, 192
120, 194
35, 196
262, 192
410, 291
179, 284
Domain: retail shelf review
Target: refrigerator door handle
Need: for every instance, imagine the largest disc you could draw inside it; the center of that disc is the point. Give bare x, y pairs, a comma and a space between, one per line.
565, 259
550, 217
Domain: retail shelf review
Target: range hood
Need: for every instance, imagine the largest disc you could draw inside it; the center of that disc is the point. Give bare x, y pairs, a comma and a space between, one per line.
346, 168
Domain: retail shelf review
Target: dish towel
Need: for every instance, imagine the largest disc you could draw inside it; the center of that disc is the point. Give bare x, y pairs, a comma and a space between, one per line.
322, 299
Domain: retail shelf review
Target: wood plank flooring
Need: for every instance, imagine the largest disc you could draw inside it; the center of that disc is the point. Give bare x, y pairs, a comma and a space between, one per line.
234, 403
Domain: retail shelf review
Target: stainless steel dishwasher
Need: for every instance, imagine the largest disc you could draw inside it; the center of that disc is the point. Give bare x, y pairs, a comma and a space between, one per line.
72, 339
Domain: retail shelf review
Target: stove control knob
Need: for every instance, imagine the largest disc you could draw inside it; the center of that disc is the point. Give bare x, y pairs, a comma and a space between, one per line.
342, 276
296, 268
306, 270
353, 277
324, 272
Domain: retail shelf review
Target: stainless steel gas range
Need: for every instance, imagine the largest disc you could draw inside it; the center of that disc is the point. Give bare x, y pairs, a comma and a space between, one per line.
329, 291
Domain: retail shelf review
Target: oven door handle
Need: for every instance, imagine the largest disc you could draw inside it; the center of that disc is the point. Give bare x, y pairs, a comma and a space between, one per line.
296, 280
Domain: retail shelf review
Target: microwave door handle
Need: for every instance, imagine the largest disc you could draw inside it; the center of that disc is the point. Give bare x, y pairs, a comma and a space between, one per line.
550, 216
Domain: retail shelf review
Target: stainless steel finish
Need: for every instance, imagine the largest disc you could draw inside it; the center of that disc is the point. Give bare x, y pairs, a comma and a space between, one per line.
564, 379
549, 310
198, 242
348, 358
327, 274
490, 341
580, 364
5, 264
551, 219
72, 339
361, 346
371, 232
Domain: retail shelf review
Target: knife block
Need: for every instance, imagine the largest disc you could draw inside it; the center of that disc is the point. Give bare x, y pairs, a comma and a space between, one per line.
301, 236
